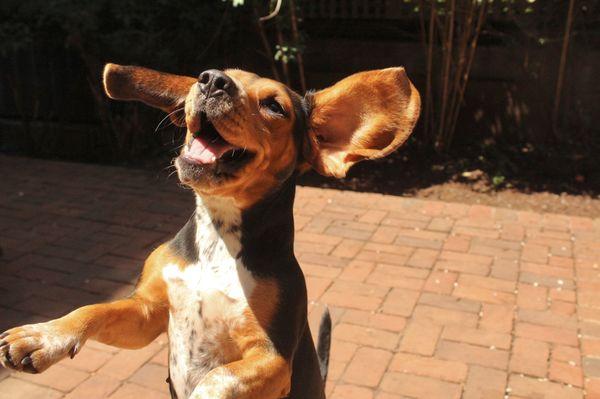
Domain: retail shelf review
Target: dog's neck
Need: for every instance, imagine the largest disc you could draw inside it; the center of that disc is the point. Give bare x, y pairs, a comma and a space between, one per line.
259, 235
218, 228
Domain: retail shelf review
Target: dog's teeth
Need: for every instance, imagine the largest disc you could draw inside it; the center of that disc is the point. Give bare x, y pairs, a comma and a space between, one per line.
214, 158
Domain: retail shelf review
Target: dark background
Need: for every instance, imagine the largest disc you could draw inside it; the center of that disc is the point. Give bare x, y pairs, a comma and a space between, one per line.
52, 104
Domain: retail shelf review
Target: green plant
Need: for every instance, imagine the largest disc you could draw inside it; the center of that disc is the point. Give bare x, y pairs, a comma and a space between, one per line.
497, 180
285, 53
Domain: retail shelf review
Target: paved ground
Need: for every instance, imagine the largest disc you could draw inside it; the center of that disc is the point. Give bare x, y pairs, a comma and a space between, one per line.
430, 299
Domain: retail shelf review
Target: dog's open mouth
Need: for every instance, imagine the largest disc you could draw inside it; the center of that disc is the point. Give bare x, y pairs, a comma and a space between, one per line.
208, 146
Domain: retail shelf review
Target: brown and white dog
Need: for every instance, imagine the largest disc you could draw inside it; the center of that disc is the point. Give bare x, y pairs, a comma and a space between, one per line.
227, 288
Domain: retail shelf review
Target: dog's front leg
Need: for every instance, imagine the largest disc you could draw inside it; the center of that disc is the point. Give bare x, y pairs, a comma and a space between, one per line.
258, 376
128, 323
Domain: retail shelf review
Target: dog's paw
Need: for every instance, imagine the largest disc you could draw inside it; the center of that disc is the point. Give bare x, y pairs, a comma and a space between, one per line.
35, 347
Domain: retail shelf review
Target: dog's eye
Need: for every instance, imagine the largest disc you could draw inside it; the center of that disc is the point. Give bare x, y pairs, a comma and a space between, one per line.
272, 105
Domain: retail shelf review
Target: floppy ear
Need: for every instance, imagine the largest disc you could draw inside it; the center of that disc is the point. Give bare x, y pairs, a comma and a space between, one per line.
157, 89
364, 116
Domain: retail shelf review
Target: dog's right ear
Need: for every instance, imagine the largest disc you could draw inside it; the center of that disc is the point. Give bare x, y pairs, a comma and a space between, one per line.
157, 89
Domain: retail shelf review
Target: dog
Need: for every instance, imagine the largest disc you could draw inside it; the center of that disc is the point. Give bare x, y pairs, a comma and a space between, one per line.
227, 288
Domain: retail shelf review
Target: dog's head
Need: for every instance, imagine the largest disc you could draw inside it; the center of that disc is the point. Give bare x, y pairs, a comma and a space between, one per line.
246, 134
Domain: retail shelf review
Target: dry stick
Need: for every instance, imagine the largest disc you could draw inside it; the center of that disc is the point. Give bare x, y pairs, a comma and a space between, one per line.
480, 21
562, 67
266, 46
296, 37
446, 71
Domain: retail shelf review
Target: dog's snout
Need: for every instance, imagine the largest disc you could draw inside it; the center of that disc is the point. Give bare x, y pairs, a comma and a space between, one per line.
215, 83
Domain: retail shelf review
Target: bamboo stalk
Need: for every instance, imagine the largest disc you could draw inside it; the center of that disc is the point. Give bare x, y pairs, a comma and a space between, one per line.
425, 47
458, 31
448, 48
422, 25
284, 65
466, 22
463, 43
296, 37
429, 118
465, 80
265, 43
562, 67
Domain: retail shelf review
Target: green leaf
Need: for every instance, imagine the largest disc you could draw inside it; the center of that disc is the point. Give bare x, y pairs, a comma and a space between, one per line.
498, 180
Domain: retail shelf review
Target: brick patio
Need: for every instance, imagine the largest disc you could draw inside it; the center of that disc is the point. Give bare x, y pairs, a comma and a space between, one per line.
429, 299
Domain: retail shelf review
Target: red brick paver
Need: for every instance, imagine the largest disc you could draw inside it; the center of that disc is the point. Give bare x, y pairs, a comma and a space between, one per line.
429, 299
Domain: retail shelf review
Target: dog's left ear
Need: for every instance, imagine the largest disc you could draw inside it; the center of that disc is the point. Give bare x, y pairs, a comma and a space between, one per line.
156, 89
364, 116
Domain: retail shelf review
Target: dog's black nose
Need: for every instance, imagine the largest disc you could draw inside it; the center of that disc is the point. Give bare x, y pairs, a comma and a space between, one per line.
214, 83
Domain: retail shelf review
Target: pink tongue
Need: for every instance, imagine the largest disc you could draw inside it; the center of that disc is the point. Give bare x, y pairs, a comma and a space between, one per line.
203, 152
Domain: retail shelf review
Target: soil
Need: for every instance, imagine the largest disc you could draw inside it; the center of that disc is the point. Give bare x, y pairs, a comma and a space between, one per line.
564, 203
509, 177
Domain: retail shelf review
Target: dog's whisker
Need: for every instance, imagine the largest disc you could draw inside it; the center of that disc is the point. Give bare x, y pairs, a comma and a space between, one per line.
169, 166
167, 117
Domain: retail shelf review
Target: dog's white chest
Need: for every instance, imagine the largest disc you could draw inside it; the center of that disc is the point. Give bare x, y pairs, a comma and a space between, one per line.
207, 299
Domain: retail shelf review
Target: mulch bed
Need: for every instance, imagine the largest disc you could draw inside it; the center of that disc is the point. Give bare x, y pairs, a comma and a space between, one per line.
518, 177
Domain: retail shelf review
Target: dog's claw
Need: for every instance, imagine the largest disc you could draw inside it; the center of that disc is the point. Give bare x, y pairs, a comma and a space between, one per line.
75, 349
28, 366
9, 360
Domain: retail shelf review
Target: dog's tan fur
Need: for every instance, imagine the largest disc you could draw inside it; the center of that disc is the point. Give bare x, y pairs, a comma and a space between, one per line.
365, 116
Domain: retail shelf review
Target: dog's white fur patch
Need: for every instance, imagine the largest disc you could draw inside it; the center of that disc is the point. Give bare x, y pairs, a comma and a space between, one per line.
220, 384
207, 298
